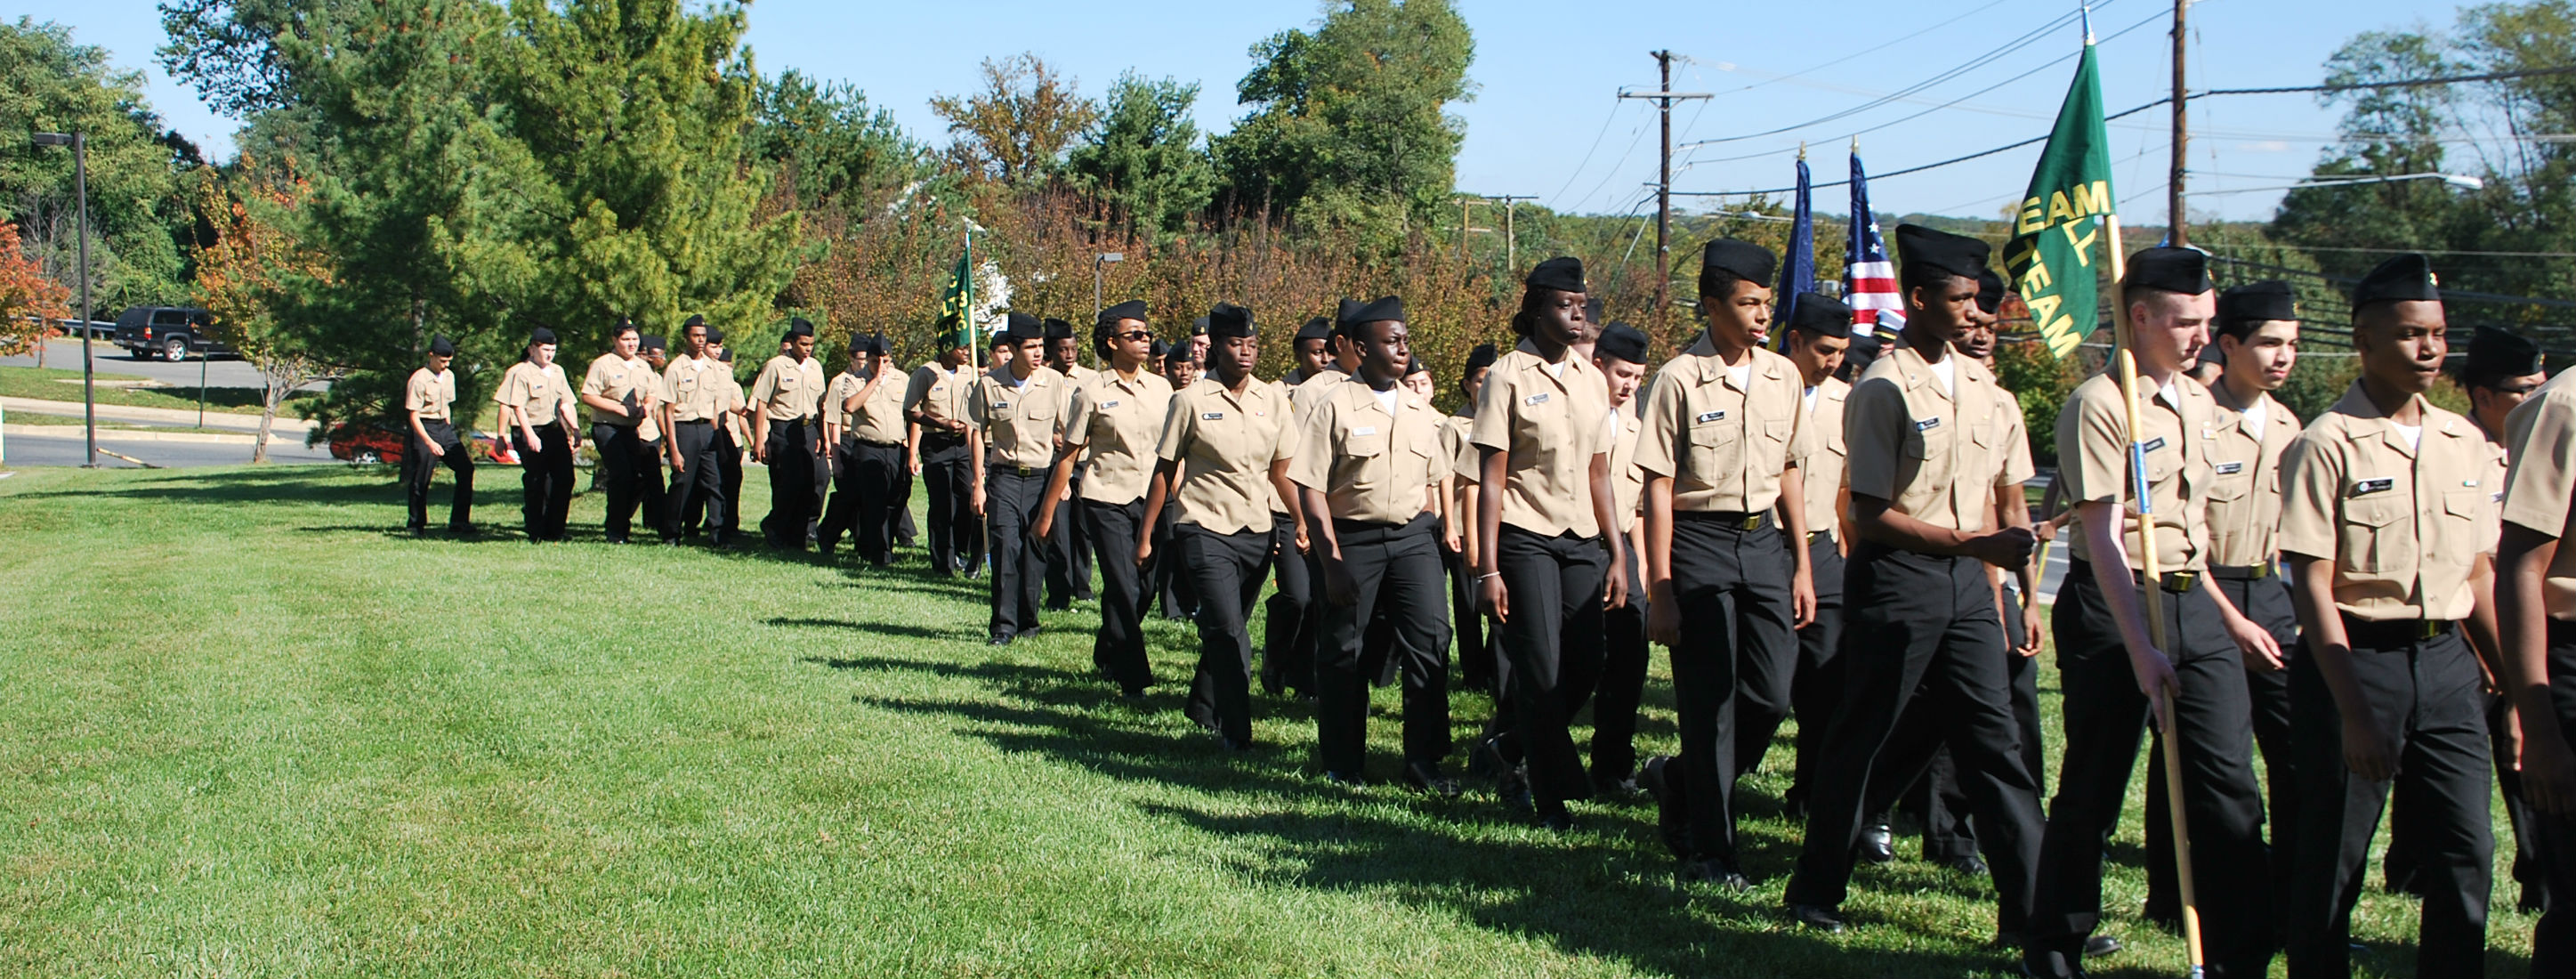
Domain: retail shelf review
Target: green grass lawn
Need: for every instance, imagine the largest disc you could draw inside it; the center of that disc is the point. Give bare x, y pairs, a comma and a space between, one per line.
247, 728
49, 384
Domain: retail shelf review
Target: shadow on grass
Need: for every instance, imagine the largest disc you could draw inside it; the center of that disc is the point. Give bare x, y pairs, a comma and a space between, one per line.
872, 628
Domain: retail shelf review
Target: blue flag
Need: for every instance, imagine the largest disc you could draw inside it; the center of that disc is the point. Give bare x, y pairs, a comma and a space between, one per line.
1798, 268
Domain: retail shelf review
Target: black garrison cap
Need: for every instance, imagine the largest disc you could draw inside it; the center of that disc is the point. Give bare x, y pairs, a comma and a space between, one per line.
693, 320
2495, 352
1133, 309
715, 335
2178, 270
1159, 349
2405, 277
1227, 320
1022, 327
1927, 254
1482, 356
1592, 309
1416, 366
1355, 314
1056, 329
442, 346
1199, 327
1990, 291
1741, 259
726, 357
1621, 341
1562, 273
867, 343
2269, 299
798, 327
541, 335
647, 341
1319, 328
1822, 315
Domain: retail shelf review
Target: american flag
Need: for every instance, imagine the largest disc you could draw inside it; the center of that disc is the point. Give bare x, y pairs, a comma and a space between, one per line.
1869, 282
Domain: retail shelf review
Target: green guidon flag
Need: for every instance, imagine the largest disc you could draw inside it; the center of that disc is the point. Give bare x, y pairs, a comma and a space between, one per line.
957, 302
2050, 256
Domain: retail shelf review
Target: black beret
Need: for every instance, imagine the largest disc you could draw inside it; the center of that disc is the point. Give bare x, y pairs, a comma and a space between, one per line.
2177, 270
1592, 309
1926, 253
648, 341
1228, 320
1990, 291
1482, 356
1319, 328
715, 335
1741, 259
1563, 273
1199, 327
1353, 315
1022, 327
1133, 309
1056, 329
2499, 353
797, 327
2269, 299
2405, 277
693, 320
1822, 315
1621, 341
1159, 349
442, 346
541, 335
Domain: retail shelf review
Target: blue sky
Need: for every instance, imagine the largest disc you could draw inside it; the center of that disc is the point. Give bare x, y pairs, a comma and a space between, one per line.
1545, 119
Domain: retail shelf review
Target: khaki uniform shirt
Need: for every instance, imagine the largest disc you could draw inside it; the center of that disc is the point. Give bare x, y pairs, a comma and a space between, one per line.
1823, 468
1934, 455
627, 382
791, 389
1115, 423
1302, 391
2245, 501
430, 394
2093, 459
1627, 479
1724, 445
1019, 419
2403, 525
734, 405
1370, 464
538, 392
1225, 446
937, 392
689, 385
1552, 425
1466, 465
2541, 434
879, 420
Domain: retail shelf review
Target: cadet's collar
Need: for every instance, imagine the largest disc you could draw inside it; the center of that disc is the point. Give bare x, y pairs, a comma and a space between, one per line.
2356, 402
1918, 373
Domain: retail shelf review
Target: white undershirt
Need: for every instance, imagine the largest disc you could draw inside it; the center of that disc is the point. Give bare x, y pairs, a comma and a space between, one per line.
1557, 370
1809, 398
1947, 369
1386, 398
1018, 382
2171, 396
2255, 417
1741, 374
2413, 434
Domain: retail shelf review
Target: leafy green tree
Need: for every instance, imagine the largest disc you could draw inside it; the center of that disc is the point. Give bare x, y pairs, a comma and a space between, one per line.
1016, 130
137, 206
831, 147
1143, 158
2388, 131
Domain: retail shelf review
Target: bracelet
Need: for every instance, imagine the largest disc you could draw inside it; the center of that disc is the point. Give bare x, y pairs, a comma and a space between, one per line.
1480, 579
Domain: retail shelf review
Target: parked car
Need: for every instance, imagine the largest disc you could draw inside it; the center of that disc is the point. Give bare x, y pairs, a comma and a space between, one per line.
367, 445
168, 332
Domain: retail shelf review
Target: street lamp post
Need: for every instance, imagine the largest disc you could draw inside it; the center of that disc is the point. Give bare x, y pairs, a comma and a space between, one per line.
1099, 264
79, 142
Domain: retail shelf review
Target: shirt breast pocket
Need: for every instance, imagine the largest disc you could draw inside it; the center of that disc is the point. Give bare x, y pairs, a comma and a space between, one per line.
1715, 451
2371, 541
1360, 444
2459, 526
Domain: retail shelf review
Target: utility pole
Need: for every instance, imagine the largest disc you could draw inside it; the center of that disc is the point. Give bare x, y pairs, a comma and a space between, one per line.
2174, 216
1511, 241
1663, 96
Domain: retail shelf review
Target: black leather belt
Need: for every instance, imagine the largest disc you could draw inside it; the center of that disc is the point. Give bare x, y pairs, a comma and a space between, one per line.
2400, 632
1818, 535
1730, 519
2176, 582
2250, 572
693, 421
1023, 472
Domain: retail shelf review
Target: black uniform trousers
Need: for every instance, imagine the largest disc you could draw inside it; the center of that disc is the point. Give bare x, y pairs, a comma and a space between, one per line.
1915, 747
1012, 496
2553, 940
1623, 681
1816, 688
2399, 862
1737, 653
621, 462
1395, 571
947, 478
1467, 626
418, 465
1172, 578
729, 463
699, 486
2104, 713
545, 481
2426, 692
652, 496
2266, 600
863, 499
1554, 642
1227, 570
795, 467
841, 509
1068, 552
1119, 646
1288, 634
1920, 621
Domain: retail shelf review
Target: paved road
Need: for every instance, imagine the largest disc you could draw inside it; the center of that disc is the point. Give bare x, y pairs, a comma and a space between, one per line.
62, 445
222, 372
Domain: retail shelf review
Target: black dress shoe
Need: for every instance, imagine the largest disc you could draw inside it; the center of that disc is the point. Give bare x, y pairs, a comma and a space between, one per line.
1877, 843
1345, 780
1820, 919
1134, 698
1970, 865
462, 529
1510, 786
1715, 871
999, 640
1672, 809
1426, 777
1607, 786
417, 531
1033, 630
2097, 946
1559, 822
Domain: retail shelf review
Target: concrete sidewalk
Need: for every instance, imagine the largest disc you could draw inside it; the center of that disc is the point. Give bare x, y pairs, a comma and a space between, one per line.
287, 428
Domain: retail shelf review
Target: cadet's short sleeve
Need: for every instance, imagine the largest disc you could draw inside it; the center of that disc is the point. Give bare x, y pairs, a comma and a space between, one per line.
1288, 438
1803, 439
765, 386
1466, 463
2093, 455
1874, 425
2311, 480
2017, 467
2491, 501
593, 382
2538, 488
1077, 417
1494, 401
978, 409
1311, 466
1660, 428
917, 388
513, 389
1178, 423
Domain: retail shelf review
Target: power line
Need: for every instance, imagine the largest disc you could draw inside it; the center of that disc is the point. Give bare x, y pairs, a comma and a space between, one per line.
1972, 64
1866, 52
1613, 116
2493, 76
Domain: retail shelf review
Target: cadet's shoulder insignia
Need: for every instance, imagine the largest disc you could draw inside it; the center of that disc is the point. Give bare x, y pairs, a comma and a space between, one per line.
1706, 417
2229, 468
2380, 485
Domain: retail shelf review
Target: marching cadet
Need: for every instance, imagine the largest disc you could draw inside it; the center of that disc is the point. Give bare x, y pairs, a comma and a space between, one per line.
1723, 438
692, 411
1544, 425
1619, 350
1364, 467
1110, 426
536, 405
2257, 339
735, 444
2383, 506
1476, 659
2536, 606
1181, 368
1922, 430
1016, 411
620, 393
786, 435
2115, 675
427, 398
1819, 330
652, 493
1293, 625
863, 423
1223, 462
1068, 548
934, 401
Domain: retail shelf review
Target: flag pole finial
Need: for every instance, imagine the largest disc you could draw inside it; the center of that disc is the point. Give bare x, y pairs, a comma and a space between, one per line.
2088, 24
1802, 149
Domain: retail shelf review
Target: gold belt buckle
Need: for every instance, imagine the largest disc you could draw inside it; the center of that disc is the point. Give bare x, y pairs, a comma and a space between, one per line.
2428, 628
1752, 521
2179, 582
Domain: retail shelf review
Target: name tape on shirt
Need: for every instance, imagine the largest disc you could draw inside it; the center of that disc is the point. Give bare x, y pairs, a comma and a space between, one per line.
1927, 424
1535, 399
1212, 416
1109, 404
2381, 485
2157, 444
1711, 416
1001, 406
1363, 430
2230, 468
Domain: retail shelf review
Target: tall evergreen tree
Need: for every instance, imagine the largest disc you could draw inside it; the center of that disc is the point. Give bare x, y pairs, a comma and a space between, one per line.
1143, 157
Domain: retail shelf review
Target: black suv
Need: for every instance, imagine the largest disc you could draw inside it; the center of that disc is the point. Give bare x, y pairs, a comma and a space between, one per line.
169, 332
